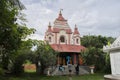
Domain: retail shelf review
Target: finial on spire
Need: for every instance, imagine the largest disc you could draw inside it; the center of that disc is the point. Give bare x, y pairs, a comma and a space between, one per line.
49, 24
61, 11
75, 26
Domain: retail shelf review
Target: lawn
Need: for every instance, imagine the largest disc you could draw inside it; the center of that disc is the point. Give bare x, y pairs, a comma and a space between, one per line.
33, 76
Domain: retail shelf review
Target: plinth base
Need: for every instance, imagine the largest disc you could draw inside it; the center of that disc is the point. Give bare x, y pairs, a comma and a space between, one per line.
112, 77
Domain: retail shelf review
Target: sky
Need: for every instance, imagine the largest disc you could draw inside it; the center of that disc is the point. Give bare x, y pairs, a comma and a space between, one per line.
92, 17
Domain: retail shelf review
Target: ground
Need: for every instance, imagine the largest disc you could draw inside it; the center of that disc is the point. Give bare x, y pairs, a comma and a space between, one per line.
30, 74
34, 76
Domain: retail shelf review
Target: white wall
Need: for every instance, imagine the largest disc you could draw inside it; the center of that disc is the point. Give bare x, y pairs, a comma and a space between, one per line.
115, 62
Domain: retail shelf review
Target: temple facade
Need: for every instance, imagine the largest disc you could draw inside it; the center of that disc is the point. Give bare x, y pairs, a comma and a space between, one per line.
67, 42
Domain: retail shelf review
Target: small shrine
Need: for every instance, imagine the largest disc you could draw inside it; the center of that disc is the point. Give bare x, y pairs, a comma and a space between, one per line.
114, 50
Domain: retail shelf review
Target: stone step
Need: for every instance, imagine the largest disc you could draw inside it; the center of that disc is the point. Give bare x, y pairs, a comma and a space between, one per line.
82, 70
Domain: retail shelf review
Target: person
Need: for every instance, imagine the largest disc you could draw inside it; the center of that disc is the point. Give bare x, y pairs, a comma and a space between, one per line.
70, 71
61, 68
68, 59
48, 71
77, 69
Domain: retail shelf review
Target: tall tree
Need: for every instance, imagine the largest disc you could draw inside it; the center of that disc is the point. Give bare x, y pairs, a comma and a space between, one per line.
11, 32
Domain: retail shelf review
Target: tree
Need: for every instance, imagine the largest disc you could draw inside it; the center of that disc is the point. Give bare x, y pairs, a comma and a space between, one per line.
46, 56
17, 3
11, 32
94, 54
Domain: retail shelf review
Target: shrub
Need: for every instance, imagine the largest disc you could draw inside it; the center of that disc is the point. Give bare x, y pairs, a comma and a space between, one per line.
17, 66
1, 71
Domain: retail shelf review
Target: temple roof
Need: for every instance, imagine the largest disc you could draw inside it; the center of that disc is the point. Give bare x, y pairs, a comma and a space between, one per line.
56, 30
67, 48
114, 46
117, 41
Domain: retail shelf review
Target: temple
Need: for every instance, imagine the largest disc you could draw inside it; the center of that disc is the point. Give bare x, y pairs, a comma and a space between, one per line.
62, 39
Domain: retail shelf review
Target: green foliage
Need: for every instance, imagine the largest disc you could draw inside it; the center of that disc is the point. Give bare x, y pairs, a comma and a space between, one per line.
94, 54
11, 32
94, 41
2, 72
107, 67
24, 54
17, 67
46, 55
28, 62
89, 56
24, 57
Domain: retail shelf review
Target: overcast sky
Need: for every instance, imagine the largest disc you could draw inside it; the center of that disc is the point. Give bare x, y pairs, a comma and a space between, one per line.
94, 17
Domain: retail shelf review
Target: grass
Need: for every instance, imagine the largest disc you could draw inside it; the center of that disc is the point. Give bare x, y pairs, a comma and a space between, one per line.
33, 76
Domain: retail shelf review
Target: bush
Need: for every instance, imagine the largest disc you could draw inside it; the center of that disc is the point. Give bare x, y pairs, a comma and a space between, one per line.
17, 66
1, 71
95, 56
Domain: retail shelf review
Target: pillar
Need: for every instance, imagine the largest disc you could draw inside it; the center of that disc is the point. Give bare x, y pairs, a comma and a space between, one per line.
74, 59
63, 61
71, 60
80, 60
58, 62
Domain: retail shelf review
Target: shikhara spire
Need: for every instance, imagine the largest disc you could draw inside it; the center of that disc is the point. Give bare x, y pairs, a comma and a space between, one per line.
61, 32
60, 17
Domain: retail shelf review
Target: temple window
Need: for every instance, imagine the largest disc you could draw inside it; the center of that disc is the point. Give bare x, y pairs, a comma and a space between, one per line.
49, 39
77, 41
62, 39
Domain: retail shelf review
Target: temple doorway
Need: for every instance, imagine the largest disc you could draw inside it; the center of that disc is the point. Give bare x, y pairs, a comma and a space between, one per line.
68, 58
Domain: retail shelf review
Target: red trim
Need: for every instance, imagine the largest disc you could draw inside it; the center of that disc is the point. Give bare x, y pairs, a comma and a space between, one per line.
61, 18
57, 30
67, 48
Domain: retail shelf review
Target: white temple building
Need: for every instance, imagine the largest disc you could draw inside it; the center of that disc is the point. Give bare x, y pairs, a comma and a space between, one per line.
114, 50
